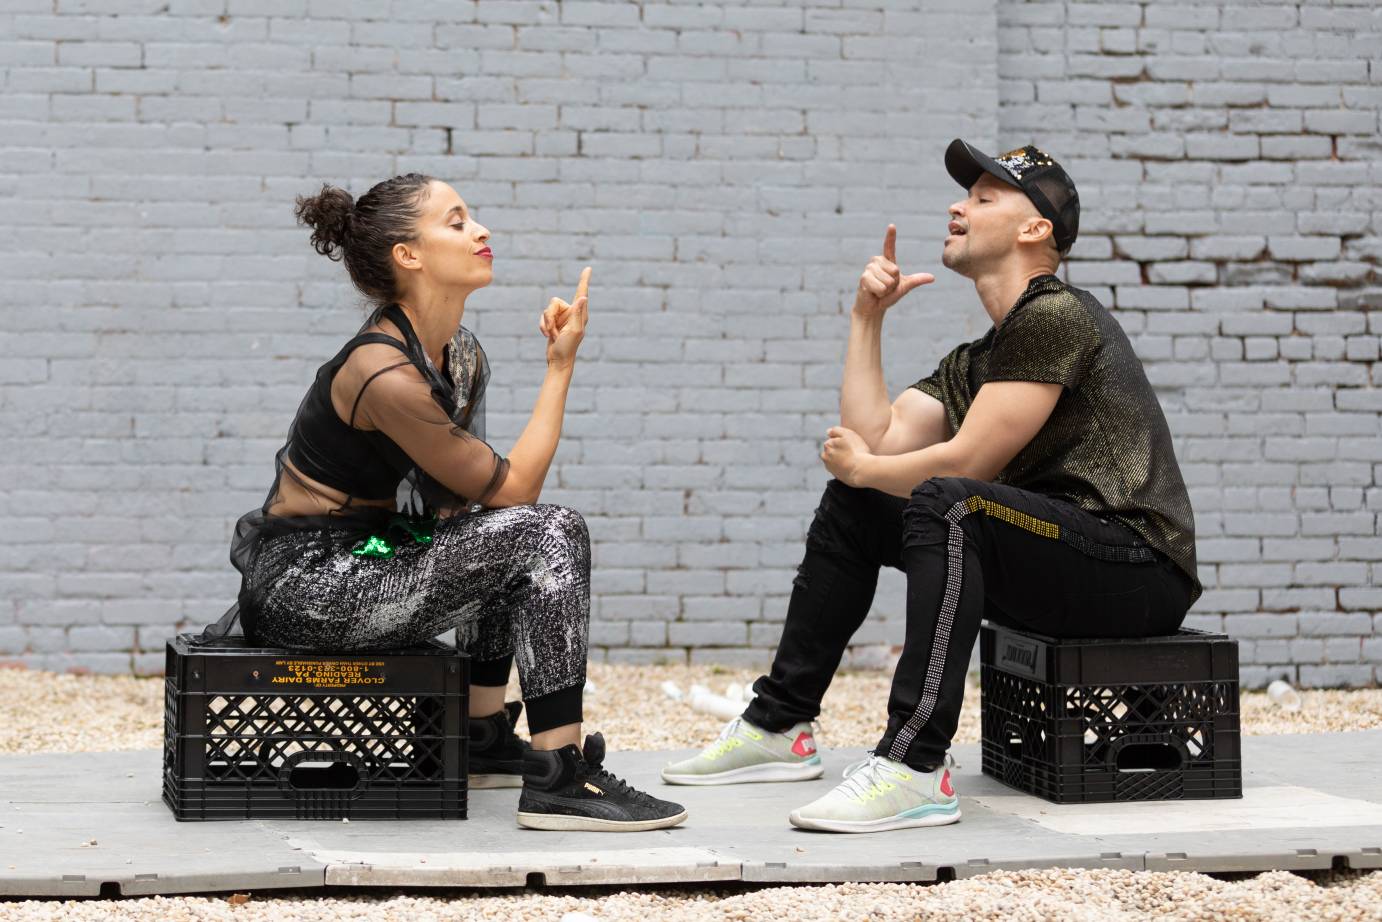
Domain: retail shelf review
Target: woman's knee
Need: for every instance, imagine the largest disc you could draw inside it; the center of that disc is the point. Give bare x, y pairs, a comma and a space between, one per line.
564, 536
566, 521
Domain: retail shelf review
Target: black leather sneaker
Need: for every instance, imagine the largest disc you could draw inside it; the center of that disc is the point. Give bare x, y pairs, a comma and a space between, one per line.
569, 789
496, 752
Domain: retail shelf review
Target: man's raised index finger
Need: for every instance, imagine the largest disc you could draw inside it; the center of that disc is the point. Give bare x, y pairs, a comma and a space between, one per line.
583, 286
890, 244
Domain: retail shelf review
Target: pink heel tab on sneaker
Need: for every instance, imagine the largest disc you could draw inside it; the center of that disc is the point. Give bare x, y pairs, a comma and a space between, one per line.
946, 788
805, 745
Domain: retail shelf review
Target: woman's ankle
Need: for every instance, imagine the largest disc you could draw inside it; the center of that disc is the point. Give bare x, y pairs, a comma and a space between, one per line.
557, 738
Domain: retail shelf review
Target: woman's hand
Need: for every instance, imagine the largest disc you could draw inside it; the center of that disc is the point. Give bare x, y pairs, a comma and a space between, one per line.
843, 451
564, 324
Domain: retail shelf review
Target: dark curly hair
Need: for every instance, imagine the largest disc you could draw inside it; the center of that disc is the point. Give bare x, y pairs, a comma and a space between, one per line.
363, 233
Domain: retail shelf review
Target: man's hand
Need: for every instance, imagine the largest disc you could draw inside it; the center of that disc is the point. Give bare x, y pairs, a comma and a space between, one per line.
843, 451
882, 284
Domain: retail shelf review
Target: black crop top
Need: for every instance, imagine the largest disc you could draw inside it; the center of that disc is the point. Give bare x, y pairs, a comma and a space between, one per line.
330, 451
369, 464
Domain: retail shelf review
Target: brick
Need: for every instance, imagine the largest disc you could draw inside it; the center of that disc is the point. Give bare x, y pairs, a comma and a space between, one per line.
707, 633
1144, 249
610, 633
98, 663
644, 657
1303, 248
1257, 677
1253, 626
1326, 624
648, 634
742, 657
1337, 676
99, 638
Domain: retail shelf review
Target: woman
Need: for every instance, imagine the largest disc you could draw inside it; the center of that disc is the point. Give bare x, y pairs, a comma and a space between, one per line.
391, 520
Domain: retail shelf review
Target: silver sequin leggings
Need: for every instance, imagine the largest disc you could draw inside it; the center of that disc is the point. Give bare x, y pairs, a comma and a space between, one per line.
515, 582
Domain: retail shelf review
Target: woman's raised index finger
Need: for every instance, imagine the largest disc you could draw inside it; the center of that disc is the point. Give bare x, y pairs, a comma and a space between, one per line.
583, 286
890, 244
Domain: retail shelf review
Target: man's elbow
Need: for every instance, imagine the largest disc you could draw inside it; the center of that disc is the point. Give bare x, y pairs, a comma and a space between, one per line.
959, 460
873, 436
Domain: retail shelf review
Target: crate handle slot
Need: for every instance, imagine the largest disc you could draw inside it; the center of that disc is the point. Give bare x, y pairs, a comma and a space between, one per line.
1147, 756
321, 770
324, 776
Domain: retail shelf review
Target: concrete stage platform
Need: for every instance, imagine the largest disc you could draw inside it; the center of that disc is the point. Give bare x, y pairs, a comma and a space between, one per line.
1309, 802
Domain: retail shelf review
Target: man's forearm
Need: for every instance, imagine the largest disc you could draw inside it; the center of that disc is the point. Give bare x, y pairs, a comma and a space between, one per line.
864, 405
900, 474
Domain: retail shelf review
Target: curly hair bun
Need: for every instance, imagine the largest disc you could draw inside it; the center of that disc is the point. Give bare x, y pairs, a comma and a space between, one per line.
328, 214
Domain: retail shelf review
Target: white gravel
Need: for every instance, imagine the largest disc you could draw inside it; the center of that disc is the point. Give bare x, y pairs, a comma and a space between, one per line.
101, 713
46, 712
1002, 896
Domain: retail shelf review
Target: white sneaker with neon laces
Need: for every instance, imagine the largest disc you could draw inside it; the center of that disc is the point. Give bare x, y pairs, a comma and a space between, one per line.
743, 753
880, 794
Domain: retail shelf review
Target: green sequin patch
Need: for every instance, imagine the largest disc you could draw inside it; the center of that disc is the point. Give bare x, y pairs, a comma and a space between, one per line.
400, 530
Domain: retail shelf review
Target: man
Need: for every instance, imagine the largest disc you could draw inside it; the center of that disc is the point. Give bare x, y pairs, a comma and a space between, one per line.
1030, 480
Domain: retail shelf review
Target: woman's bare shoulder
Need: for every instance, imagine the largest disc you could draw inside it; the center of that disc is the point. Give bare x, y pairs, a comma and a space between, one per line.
368, 358
380, 369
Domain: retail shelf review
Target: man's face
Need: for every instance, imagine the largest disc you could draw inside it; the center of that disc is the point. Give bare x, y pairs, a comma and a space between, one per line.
984, 226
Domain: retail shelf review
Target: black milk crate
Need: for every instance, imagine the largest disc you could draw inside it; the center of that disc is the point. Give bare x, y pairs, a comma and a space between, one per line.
269, 733
1085, 721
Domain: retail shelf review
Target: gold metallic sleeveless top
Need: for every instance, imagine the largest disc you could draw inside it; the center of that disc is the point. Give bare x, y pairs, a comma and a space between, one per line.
1106, 447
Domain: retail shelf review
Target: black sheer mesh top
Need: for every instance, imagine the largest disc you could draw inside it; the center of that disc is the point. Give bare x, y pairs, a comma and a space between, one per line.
406, 421
400, 441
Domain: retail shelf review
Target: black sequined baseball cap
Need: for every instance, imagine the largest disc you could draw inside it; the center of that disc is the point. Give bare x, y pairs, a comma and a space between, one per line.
1033, 171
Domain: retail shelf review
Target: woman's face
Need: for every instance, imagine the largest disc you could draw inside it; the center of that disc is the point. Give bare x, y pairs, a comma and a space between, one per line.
450, 250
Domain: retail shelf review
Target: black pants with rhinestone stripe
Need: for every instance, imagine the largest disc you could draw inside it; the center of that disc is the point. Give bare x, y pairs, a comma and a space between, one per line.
971, 550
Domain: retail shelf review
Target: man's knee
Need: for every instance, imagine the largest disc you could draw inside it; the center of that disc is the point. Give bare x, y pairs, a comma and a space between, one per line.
940, 494
932, 508
833, 527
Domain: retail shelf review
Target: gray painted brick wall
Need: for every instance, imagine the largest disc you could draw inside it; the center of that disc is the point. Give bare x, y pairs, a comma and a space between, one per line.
1226, 156
726, 168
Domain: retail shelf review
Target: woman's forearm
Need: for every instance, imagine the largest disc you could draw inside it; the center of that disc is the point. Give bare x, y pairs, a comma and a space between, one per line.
533, 452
